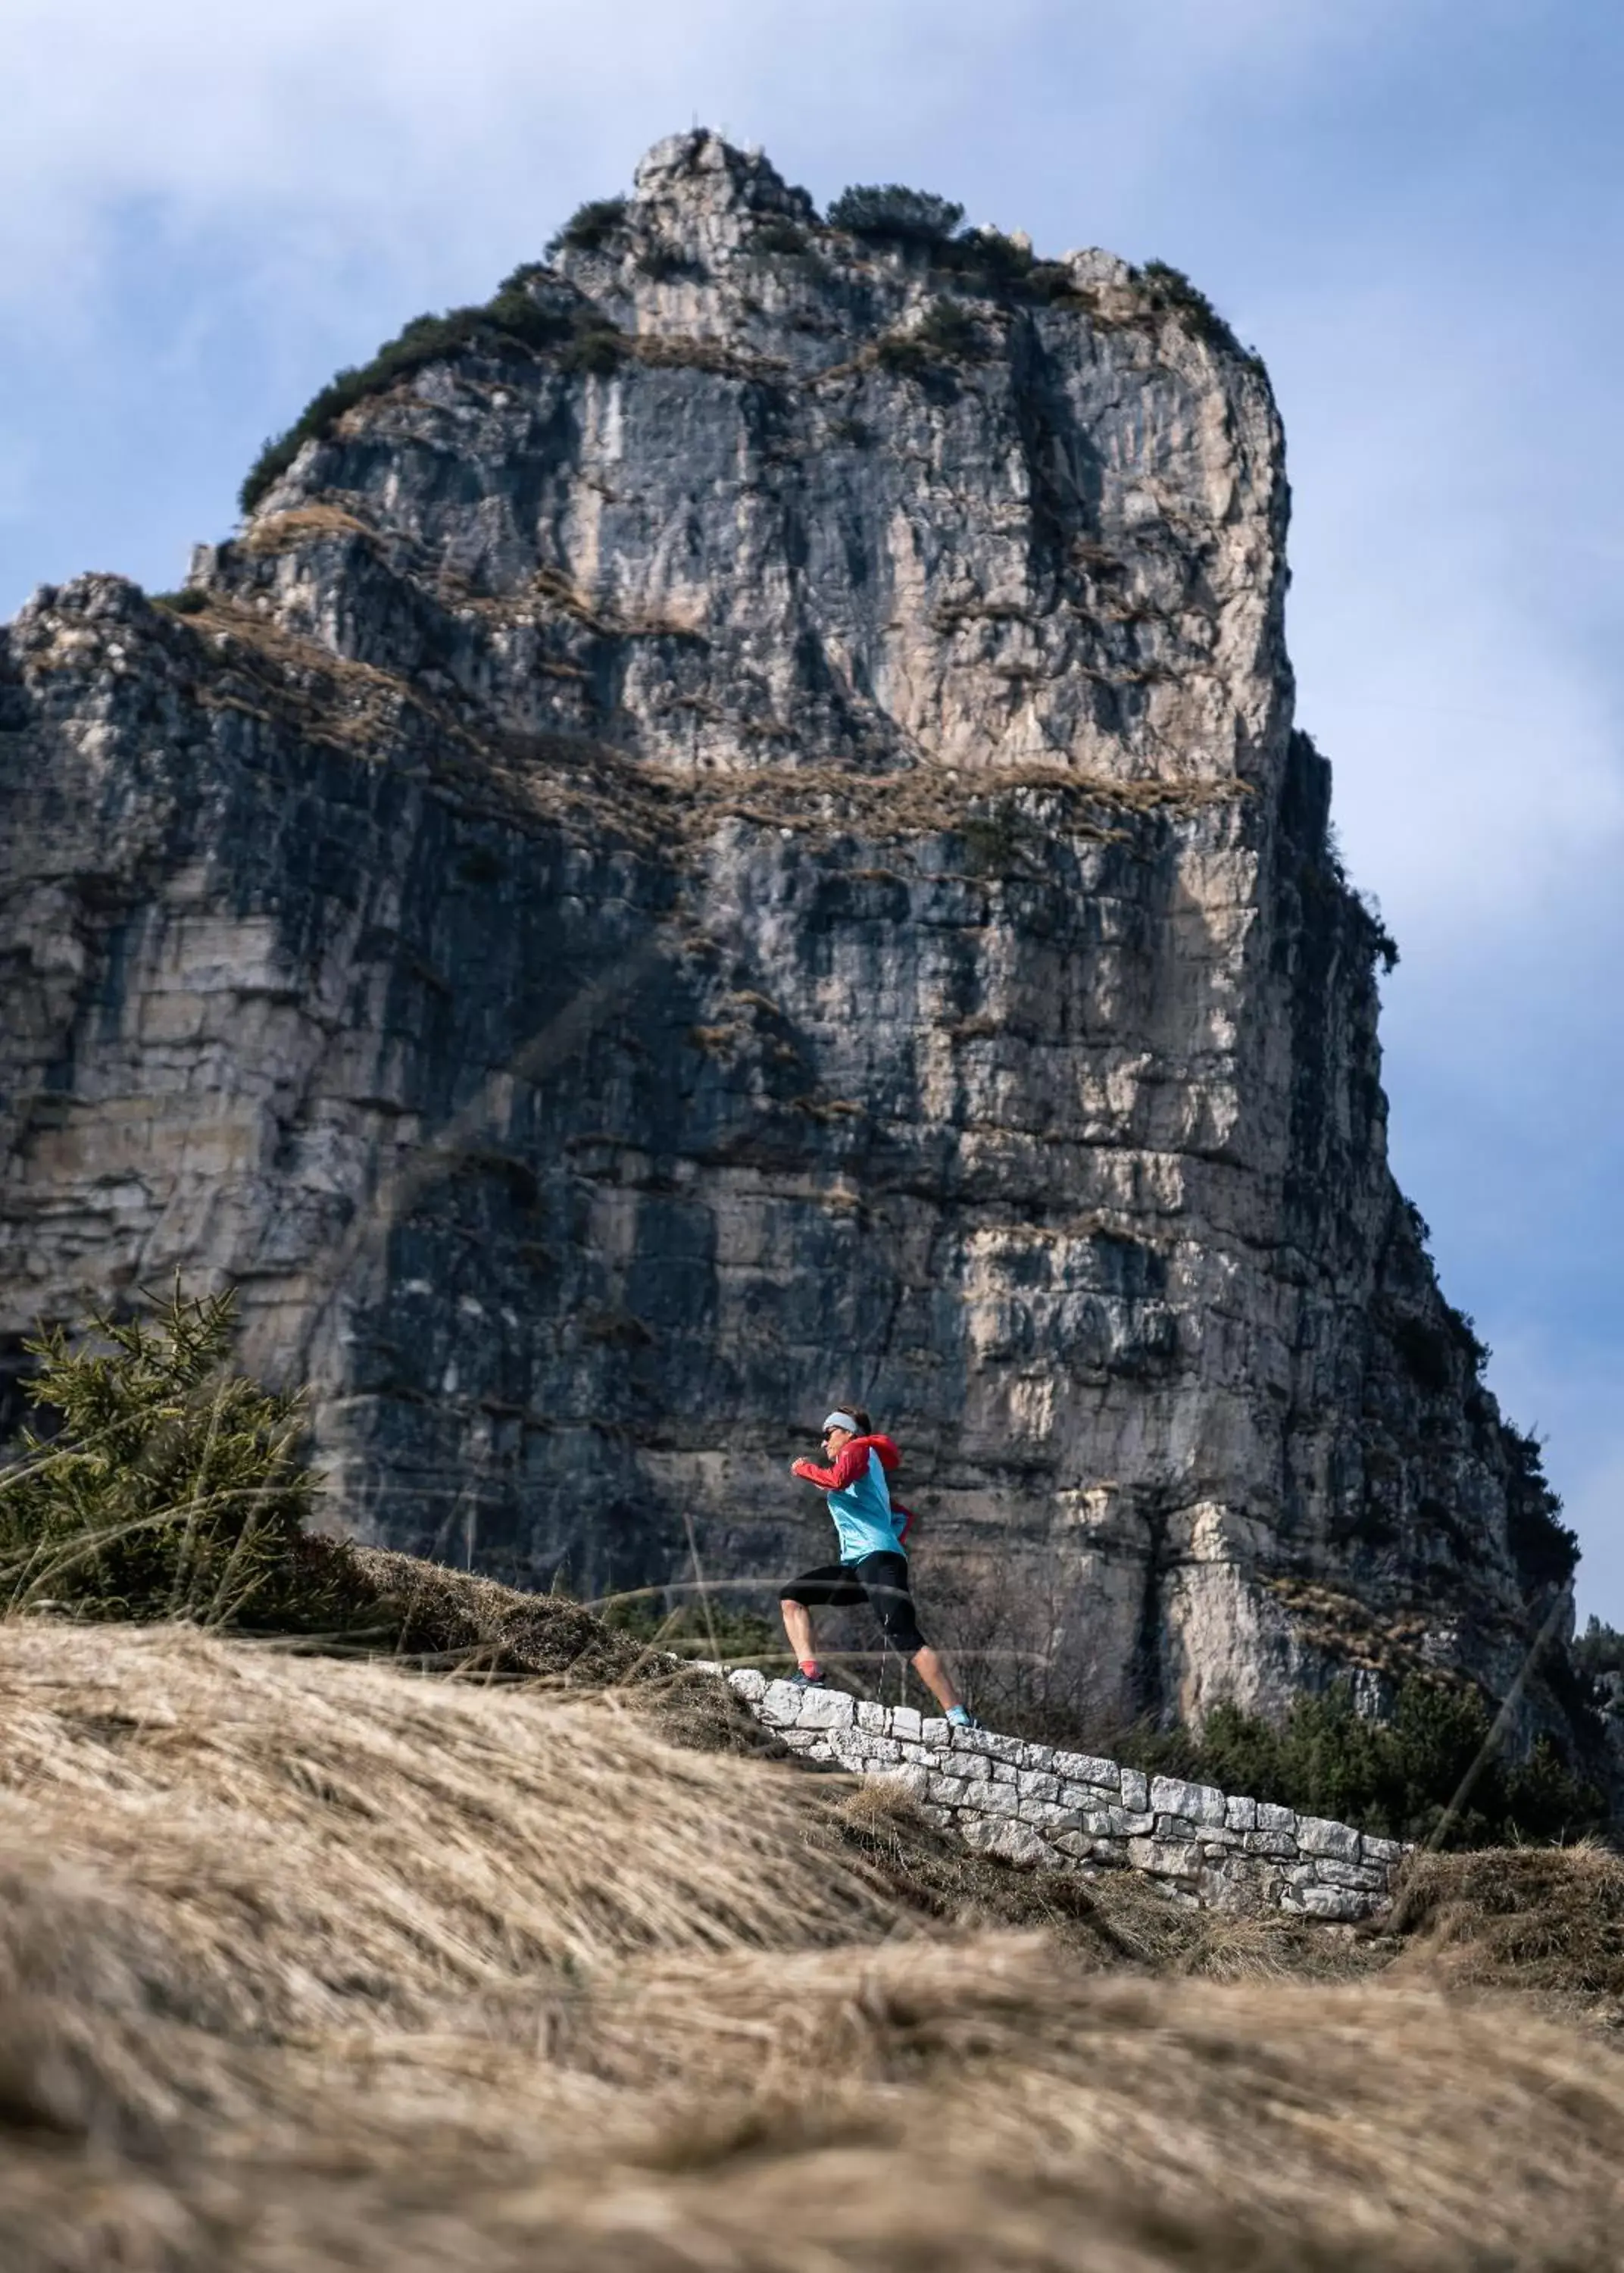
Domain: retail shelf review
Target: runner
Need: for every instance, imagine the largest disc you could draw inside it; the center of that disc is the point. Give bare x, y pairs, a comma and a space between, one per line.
873, 1563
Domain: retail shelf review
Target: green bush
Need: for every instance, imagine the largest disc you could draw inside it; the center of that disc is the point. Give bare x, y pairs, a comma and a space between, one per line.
1171, 288
779, 236
906, 216
510, 323
948, 333
945, 333
1394, 1777
590, 226
985, 256
595, 345
994, 841
1599, 1649
904, 354
173, 1488
187, 602
1544, 1548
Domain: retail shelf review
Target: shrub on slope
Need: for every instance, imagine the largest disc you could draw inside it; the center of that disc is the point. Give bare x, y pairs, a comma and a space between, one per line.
1395, 1777
172, 1487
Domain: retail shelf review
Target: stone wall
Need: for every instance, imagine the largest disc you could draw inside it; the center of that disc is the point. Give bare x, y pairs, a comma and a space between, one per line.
1069, 1812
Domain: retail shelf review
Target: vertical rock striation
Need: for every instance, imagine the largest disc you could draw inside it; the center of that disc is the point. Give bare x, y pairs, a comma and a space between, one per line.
730, 831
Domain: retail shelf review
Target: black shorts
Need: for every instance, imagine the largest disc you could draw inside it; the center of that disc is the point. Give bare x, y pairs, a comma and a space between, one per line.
879, 1581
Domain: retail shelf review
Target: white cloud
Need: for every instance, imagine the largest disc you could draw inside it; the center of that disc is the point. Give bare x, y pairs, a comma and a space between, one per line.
396, 116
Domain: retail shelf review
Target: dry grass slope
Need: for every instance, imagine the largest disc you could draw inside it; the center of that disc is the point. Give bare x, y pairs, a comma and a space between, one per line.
306, 1963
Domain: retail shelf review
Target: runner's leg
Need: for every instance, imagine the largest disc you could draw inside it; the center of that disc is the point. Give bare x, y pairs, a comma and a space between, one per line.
798, 1626
832, 1583
936, 1678
884, 1582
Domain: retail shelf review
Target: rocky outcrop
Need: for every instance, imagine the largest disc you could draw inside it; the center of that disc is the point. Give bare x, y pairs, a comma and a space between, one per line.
730, 832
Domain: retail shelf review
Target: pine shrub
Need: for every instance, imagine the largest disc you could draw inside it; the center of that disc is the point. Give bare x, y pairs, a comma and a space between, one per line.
946, 334
512, 323
590, 226
1169, 288
777, 235
949, 332
1395, 1777
890, 211
172, 1488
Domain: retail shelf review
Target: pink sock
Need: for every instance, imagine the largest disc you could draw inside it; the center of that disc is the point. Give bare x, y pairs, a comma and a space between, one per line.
810, 1668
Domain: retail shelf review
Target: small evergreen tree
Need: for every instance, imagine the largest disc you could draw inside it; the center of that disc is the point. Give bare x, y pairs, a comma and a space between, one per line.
172, 1488
1395, 1777
909, 216
590, 226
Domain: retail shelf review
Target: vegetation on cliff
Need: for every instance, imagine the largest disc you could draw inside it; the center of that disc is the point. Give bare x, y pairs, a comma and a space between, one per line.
511, 322
515, 322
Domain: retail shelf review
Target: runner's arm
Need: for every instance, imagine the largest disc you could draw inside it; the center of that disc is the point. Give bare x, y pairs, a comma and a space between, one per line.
852, 1463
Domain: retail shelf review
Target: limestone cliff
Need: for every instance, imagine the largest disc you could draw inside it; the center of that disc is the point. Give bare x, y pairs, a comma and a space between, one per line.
729, 832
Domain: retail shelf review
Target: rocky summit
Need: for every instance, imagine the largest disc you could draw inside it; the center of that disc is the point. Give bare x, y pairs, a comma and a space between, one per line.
728, 834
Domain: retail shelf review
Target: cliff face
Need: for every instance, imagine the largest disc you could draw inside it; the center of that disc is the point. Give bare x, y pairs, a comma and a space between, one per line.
729, 834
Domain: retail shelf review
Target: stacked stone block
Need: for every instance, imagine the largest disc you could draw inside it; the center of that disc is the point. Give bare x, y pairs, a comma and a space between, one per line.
1034, 1805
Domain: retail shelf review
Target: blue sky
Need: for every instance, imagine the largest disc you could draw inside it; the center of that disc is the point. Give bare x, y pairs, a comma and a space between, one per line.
1414, 207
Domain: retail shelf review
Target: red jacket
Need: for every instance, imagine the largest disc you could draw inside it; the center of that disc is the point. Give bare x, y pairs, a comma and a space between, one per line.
852, 1462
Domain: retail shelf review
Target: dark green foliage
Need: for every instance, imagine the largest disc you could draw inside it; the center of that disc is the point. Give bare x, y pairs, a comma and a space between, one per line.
904, 216
1392, 1777
1600, 1660
1466, 1338
901, 353
590, 226
1050, 280
1599, 1649
1544, 1548
1424, 1352
994, 841
173, 1488
1171, 288
948, 333
779, 236
985, 260
943, 334
512, 323
1383, 947
595, 345
184, 603
985, 257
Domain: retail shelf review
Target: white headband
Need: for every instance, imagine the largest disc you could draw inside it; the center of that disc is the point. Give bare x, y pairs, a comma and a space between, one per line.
839, 1420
